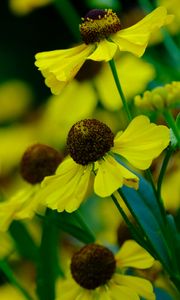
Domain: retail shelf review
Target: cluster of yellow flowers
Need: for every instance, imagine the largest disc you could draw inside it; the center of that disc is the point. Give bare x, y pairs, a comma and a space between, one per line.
96, 159
160, 98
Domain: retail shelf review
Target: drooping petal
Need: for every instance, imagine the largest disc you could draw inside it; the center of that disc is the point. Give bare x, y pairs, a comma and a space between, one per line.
22, 205
67, 289
104, 293
138, 285
133, 255
118, 292
105, 51
111, 176
68, 188
141, 142
135, 38
60, 66
108, 178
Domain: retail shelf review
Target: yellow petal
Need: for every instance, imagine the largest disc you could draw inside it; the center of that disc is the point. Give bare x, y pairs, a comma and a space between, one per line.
68, 289
139, 285
21, 206
111, 176
135, 38
141, 142
120, 292
133, 255
105, 51
103, 293
68, 188
62, 65
108, 178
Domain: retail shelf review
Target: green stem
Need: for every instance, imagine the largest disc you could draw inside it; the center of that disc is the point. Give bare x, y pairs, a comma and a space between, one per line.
171, 123
118, 85
48, 261
70, 16
83, 224
12, 279
163, 170
159, 200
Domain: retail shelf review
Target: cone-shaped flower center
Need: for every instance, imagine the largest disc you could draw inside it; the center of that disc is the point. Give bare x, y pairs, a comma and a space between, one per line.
93, 266
39, 161
98, 24
89, 140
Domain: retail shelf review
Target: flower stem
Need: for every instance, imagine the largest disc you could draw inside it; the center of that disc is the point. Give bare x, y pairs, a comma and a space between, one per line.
163, 170
118, 85
159, 200
48, 262
70, 16
9, 274
171, 123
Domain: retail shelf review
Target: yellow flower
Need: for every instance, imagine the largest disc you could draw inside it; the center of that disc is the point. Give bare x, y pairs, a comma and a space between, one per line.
23, 7
37, 162
161, 97
92, 145
102, 34
96, 274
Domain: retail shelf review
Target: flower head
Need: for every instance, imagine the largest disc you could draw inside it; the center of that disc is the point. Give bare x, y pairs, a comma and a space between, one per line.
102, 34
160, 97
96, 273
37, 162
92, 161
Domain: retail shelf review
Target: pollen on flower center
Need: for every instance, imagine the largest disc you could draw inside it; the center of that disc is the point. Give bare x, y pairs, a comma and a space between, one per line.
98, 24
93, 266
89, 140
39, 161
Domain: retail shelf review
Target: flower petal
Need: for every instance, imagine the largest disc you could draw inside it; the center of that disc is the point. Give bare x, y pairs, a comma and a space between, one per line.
67, 189
105, 51
135, 38
21, 206
111, 176
108, 178
139, 285
60, 66
68, 289
141, 142
133, 255
120, 292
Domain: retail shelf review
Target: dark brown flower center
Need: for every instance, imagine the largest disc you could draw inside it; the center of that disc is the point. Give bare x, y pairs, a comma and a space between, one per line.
89, 140
39, 161
93, 266
98, 24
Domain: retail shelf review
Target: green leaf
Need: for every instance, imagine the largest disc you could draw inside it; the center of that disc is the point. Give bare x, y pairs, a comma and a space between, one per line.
69, 224
23, 240
144, 206
178, 121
